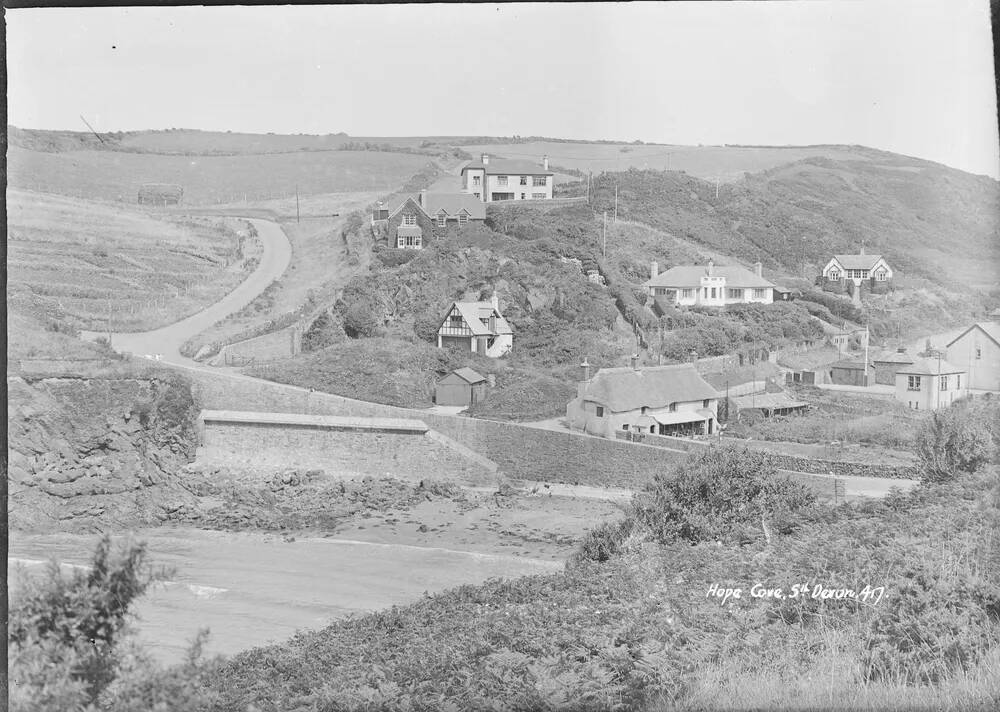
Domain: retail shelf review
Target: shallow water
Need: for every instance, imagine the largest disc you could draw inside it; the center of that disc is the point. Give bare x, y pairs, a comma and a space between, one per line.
249, 589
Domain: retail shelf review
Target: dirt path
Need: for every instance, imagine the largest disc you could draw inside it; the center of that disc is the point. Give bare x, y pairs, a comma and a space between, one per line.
166, 341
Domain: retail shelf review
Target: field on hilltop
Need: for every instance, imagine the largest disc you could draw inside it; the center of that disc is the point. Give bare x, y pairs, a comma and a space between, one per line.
82, 263
208, 180
727, 163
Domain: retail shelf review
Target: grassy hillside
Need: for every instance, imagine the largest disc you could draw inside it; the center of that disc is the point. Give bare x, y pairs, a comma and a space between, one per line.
73, 260
208, 180
727, 163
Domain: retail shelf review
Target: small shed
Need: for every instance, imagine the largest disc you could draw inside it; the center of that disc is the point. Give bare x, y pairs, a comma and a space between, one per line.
848, 373
463, 386
769, 404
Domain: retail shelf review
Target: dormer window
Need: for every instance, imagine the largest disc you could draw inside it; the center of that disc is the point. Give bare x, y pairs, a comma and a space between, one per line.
442, 218
463, 218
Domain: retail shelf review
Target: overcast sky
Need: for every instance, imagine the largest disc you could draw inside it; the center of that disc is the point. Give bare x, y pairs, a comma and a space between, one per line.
915, 77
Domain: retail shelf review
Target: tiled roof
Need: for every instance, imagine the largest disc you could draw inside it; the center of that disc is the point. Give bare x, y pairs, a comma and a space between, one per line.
990, 328
852, 365
930, 367
688, 276
505, 166
469, 376
409, 231
624, 389
857, 261
453, 204
893, 357
474, 312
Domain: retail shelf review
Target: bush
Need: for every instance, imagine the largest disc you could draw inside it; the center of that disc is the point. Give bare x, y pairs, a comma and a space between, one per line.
954, 440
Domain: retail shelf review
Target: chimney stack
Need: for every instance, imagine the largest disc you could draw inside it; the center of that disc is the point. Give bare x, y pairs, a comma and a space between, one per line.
654, 270
711, 268
495, 300
635, 362
423, 197
758, 269
545, 162
585, 368
486, 159
862, 249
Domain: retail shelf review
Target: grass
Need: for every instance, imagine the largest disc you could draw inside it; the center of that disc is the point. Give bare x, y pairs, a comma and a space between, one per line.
85, 263
728, 163
208, 180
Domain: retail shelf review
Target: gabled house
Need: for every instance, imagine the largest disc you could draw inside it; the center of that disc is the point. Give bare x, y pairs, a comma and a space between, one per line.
477, 327
869, 271
849, 373
978, 350
888, 363
711, 285
662, 400
495, 179
930, 383
409, 221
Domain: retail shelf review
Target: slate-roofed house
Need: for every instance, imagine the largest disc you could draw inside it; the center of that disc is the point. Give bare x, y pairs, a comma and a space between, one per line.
495, 179
477, 327
710, 285
978, 350
663, 400
887, 363
463, 386
869, 271
411, 220
930, 383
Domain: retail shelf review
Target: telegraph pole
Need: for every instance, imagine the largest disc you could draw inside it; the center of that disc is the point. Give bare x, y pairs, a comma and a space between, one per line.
604, 251
616, 202
296, 202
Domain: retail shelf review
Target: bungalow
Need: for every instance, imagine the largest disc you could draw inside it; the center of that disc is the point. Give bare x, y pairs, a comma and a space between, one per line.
477, 327
888, 363
930, 383
711, 285
978, 349
663, 400
491, 180
410, 220
871, 271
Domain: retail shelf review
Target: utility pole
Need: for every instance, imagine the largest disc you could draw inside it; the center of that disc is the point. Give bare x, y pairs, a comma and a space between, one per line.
867, 339
109, 323
604, 251
590, 178
296, 202
616, 203
716, 187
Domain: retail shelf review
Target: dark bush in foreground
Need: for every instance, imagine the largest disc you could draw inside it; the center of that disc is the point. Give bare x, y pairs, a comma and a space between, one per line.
957, 439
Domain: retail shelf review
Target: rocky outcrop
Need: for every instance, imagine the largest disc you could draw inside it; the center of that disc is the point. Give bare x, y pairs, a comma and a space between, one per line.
97, 453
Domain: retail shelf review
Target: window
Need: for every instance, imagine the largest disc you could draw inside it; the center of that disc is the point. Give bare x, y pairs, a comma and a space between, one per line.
523, 195
687, 293
478, 195
400, 241
736, 294
456, 321
538, 196
524, 180
913, 383
442, 219
673, 407
704, 403
979, 352
705, 292
943, 383
409, 219
625, 426
652, 429
880, 276
539, 180
475, 181
600, 411
713, 292
463, 219
834, 275
760, 293
958, 381
501, 180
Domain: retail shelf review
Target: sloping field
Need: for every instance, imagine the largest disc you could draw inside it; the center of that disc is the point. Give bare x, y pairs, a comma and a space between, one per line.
83, 263
208, 180
727, 163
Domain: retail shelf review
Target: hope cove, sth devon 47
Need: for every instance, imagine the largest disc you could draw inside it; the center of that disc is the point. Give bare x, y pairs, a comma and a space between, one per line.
583, 357
868, 594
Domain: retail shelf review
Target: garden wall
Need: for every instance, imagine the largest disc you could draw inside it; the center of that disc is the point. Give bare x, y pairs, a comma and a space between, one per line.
283, 343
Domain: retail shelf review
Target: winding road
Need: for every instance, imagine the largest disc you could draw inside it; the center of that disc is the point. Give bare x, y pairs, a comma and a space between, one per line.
166, 341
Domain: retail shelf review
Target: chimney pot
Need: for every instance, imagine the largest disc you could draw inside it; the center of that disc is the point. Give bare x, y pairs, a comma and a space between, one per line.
758, 269
635, 362
486, 159
862, 249
495, 300
654, 269
711, 268
545, 162
585, 367
422, 198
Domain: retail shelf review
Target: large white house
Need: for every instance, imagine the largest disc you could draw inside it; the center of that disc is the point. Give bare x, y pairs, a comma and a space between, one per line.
711, 285
977, 350
857, 268
496, 179
661, 400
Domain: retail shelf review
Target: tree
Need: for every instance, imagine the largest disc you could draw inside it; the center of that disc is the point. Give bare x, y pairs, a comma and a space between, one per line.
954, 441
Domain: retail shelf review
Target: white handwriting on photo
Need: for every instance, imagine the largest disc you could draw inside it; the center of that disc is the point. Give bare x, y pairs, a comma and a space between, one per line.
870, 595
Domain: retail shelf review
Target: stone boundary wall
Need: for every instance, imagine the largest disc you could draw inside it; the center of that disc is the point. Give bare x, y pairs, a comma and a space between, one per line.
283, 343
519, 451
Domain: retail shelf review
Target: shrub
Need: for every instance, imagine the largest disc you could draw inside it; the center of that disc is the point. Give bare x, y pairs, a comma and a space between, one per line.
954, 440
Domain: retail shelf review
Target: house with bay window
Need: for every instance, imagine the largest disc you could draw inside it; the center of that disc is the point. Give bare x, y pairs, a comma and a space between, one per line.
496, 179
870, 272
410, 221
710, 286
930, 383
